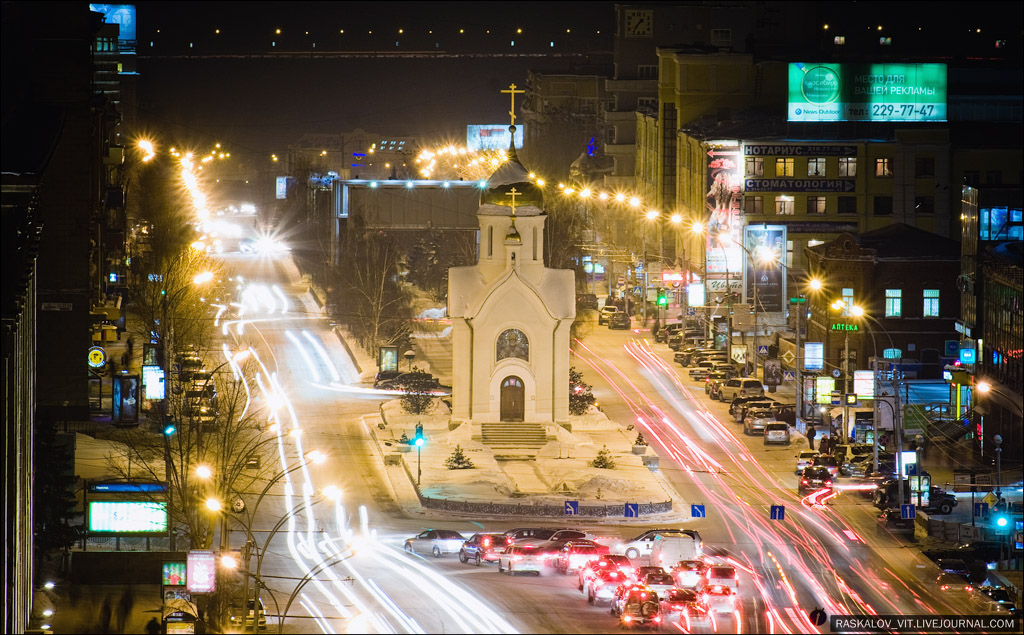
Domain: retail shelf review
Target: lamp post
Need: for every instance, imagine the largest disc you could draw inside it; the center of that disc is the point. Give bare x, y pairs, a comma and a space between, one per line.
998, 440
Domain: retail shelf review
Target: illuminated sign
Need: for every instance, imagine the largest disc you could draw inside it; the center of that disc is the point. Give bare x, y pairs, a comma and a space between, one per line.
173, 574
823, 387
97, 357
968, 355
764, 275
839, 326
201, 573
738, 353
722, 204
153, 382
695, 294
864, 383
122, 15
127, 517
493, 137
867, 92
814, 355
281, 188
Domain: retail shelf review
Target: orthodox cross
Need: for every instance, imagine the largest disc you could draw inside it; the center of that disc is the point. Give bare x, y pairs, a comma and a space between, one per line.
513, 192
512, 92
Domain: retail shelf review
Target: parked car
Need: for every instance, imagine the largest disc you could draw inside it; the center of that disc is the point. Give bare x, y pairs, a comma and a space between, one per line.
757, 421
785, 412
813, 479
846, 452
246, 621
862, 466
742, 387
725, 367
701, 370
756, 404
777, 432
804, 459
520, 558
939, 500
737, 404
606, 312
983, 550
586, 301
436, 542
619, 321
668, 331
483, 548
713, 383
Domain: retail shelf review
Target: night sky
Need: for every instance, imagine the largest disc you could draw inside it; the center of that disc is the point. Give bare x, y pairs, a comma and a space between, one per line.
199, 86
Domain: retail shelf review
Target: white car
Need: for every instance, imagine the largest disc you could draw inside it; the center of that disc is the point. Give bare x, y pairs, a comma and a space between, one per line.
436, 542
607, 311
804, 459
689, 573
721, 577
741, 387
520, 558
660, 583
776, 432
641, 545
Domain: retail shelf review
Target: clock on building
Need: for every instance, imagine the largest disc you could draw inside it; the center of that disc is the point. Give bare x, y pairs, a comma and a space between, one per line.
639, 23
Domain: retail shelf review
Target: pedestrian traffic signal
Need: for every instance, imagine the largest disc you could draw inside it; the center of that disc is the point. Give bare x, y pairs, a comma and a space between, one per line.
170, 429
418, 440
662, 297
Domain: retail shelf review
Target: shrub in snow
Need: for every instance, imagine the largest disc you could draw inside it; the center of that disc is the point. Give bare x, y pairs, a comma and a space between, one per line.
458, 460
417, 387
581, 394
640, 440
603, 459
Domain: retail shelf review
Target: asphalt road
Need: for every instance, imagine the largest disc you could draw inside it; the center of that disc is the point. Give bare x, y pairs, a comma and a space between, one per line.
828, 556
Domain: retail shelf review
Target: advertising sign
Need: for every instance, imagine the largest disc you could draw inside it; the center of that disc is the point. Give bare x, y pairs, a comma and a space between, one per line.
122, 15
864, 383
772, 372
823, 387
281, 188
799, 150
388, 361
126, 399
201, 572
814, 355
738, 353
695, 294
492, 137
173, 574
127, 517
867, 92
767, 244
153, 382
800, 185
722, 203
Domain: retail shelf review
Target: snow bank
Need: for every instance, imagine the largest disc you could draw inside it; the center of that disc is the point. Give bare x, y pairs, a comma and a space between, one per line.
438, 313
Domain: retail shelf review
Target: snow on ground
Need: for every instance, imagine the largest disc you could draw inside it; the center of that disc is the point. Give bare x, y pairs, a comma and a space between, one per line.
433, 313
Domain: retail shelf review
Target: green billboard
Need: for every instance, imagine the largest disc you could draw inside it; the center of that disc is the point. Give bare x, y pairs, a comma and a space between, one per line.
867, 92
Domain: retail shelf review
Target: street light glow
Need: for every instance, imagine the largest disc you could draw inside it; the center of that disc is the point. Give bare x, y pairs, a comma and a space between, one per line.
676, 219
213, 504
201, 278
332, 492
228, 562
652, 214
984, 386
204, 472
856, 311
815, 284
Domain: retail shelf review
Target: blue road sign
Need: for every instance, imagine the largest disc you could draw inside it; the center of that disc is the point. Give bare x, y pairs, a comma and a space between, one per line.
697, 511
762, 349
788, 375
911, 469
572, 508
636, 290
837, 398
980, 510
632, 510
908, 512
778, 512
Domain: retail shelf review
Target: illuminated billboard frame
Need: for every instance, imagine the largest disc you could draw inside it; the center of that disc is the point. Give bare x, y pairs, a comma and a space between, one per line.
492, 137
867, 92
127, 517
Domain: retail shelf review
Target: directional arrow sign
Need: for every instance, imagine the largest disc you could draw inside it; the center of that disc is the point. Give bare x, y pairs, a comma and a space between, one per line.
572, 508
778, 512
632, 510
981, 510
908, 512
697, 511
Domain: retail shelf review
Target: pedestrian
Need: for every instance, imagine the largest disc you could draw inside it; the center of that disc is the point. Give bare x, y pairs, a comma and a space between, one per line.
810, 436
124, 609
103, 619
825, 444
153, 627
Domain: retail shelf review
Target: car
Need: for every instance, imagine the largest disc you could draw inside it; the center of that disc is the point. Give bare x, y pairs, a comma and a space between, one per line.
813, 479
619, 321
601, 586
846, 452
689, 573
436, 542
804, 459
701, 370
246, 621
1001, 596
713, 381
520, 559
397, 383
606, 312
864, 465
606, 561
954, 565
828, 462
645, 570
758, 403
983, 550
683, 355
533, 535
757, 421
586, 301
660, 583
482, 548
577, 553
667, 331
785, 412
720, 600
777, 432
642, 544
565, 535
689, 606
636, 605
385, 375
725, 367
953, 582
719, 576
742, 387
940, 502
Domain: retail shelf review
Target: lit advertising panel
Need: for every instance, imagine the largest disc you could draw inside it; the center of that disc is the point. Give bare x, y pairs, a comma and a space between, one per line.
201, 572
814, 355
867, 92
767, 245
491, 137
695, 294
127, 517
722, 205
122, 15
864, 384
173, 574
823, 387
281, 188
153, 382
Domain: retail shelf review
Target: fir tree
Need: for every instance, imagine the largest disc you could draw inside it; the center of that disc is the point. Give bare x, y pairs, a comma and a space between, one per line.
603, 459
581, 394
458, 460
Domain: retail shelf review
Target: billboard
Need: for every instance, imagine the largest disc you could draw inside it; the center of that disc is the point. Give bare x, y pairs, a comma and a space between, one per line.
772, 372
172, 574
814, 355
153, 382
823, 387
122, 15
201, 571
767, 245
491, 137
127, 517
695, 294
864, 384
126, 399
281, 187
867, 92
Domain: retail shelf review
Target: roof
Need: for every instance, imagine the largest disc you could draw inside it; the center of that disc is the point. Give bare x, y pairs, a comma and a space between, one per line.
903, 241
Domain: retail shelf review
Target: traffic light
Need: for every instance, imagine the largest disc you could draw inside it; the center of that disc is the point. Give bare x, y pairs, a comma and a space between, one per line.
418, 440
170, 429
662, 297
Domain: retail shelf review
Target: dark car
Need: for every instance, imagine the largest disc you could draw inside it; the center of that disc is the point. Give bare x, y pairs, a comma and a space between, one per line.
940, 501
984, 550
814, 479
619, 321
396, 383
740, 407
667, 331
586, 301
785, 412
483, 548
386, 375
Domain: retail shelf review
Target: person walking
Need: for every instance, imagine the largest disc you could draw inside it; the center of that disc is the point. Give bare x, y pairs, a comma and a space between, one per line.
810, 436
153, 627
825, 445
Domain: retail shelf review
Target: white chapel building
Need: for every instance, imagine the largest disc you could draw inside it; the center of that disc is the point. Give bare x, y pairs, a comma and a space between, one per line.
511, 315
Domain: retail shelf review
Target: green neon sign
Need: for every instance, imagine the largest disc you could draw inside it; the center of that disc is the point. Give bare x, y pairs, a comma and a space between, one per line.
867, 92
839, 326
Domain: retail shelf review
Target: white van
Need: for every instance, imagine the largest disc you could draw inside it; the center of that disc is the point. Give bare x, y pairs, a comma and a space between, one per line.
667, 550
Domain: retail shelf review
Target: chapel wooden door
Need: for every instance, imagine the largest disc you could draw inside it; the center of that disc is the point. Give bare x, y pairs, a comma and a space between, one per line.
512, 399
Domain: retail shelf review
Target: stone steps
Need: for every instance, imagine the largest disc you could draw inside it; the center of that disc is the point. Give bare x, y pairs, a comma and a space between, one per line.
514, 435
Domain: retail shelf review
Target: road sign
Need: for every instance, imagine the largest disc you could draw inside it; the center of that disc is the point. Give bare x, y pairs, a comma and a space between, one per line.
980, 510
968, 355
990, 499
636, 290
836, 373
818, 616
837, 398
788, 357
788, 375
762, 349
908, 512
632, 510
797, 300
697, 511
572, 508
778, 512
97, 357
911, 469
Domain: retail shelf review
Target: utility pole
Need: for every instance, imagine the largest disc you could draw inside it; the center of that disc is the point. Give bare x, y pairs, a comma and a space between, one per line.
799, 375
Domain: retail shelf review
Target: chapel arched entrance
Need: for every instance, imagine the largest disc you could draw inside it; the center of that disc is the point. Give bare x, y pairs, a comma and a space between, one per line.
513, 398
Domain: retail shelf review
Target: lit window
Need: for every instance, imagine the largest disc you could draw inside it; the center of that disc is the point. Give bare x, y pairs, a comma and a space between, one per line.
883, 167
931, 303
847, 166
815, 204
816, 166
893, 303
839, 40
847, 301
755, 166
785, 167
784, 205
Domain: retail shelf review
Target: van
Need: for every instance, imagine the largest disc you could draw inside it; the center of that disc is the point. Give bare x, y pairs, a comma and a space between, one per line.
670, 549
741, 387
